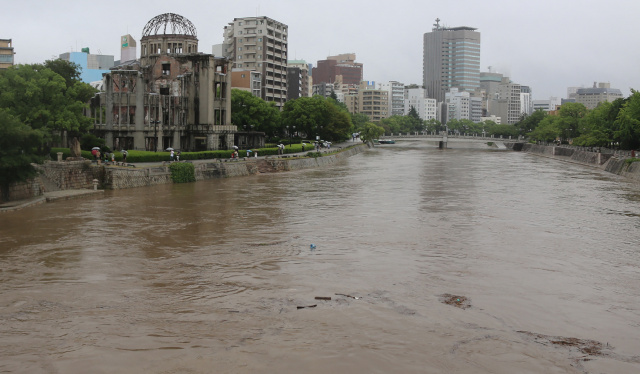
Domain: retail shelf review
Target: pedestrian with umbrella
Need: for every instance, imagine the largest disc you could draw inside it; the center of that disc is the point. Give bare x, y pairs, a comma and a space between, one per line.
94, 152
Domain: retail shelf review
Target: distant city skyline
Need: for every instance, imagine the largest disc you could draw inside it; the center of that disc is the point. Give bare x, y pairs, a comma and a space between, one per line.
549, 47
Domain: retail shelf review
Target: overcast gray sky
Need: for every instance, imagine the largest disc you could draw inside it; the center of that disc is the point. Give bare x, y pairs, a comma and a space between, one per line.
548, 45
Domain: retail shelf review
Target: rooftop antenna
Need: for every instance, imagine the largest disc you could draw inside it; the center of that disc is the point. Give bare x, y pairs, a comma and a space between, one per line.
437, 24
489, 67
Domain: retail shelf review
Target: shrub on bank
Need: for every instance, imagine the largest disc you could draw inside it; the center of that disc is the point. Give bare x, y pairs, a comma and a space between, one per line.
182, 172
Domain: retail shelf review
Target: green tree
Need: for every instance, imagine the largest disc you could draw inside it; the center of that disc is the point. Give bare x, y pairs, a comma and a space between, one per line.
18, 143
547, 130
627, 132
41, 99
371, 131
504, 131
318, 116
416, 123
528, 123
569, 117
595, 129
68, 70
433, 125
249, 112
308, 114
358, 120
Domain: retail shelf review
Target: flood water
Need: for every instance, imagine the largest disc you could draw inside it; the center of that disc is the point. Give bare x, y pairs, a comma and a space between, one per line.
466, 260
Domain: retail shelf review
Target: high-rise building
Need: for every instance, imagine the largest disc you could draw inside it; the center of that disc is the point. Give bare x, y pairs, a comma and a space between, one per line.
451, 59
343, 65
526, 101
396, 97
6, 53
294, 83
260, 44
127, 48
305, 79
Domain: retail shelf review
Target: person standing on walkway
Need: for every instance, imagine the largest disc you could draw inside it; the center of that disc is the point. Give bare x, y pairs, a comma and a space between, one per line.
171, 155
124, 155
178, 156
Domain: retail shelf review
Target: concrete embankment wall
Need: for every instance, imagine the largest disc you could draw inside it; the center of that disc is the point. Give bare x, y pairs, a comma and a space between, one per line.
118, 178
68, 175
606, 161
56, 176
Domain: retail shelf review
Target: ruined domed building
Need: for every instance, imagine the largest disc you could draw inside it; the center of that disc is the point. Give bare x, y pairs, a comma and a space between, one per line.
172, 97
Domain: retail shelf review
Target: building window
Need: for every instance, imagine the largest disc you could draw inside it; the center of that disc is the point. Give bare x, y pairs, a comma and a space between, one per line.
166, 69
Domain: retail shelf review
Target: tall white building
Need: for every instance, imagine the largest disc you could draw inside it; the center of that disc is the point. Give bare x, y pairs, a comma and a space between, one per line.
526, 101
425, 106
260, 44
396, 97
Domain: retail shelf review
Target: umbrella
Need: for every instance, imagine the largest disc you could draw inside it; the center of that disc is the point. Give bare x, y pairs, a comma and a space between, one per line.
95, 148
169, 149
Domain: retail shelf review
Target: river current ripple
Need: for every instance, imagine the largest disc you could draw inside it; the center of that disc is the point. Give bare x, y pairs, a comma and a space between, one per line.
467, 260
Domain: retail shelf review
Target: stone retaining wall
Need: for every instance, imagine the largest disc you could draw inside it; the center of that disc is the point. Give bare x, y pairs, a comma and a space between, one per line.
118, 178
56, 176
605, 161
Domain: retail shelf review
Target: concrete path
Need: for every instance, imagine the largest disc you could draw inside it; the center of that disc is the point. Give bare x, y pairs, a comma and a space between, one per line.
46, 198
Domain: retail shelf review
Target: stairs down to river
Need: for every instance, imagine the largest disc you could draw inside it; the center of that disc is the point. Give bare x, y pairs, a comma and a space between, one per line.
265, 167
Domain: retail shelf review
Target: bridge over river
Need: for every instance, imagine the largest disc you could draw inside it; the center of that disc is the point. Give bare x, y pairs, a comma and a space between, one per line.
443, 140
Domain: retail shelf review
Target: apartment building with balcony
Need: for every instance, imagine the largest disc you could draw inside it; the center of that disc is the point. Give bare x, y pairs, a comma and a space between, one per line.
372, 102
6, 53
396, 97
260, 44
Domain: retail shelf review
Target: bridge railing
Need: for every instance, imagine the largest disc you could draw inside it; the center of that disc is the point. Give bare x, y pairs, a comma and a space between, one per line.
427, 134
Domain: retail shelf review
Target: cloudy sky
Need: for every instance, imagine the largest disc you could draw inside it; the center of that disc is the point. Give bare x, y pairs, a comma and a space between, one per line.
548, 45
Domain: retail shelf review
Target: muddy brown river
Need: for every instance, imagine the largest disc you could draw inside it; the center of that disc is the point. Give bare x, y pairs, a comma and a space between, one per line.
459, 261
